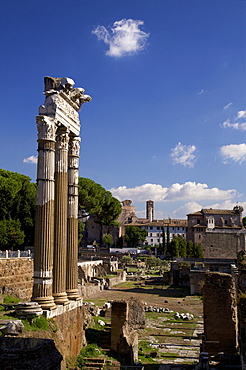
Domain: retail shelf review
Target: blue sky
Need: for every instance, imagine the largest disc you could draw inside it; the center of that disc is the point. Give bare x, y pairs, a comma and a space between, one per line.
167, 77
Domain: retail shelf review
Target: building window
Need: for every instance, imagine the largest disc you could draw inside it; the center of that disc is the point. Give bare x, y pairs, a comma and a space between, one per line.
150, 234
151, 228
198, 221
151, 240
225, 222
199, 236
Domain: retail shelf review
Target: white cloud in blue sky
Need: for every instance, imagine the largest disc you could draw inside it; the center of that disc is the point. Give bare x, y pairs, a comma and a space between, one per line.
183, 154
239, 123
124, 38
189, 191
31, 159
227, 106
202, 91
233, 153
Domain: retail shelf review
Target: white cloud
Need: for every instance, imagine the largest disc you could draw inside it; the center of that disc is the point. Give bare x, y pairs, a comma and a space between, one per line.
189, 191
202, 91
227, 106
183, 154
241, 114
124, 38
191, 207
233, 152
227, 204
187, 208
237, 124
31, 159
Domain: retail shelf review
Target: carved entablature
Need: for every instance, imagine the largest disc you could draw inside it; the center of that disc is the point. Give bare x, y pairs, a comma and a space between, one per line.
74, 146
46, 128
63, 102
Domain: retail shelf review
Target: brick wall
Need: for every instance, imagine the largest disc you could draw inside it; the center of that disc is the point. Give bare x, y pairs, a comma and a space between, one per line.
16, 277
220, 314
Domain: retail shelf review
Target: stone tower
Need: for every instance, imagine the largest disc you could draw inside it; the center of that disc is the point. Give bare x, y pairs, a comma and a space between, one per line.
56, 223
150, 210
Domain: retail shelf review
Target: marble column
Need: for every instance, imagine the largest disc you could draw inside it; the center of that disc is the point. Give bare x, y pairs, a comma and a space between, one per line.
72, 222
61, 198
44, 221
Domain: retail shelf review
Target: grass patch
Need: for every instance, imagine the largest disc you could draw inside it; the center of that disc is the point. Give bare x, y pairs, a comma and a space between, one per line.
38, 323
170, 355
10, 299
97, 302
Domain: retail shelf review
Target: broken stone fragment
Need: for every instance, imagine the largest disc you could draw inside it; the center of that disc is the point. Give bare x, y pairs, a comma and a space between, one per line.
12, 328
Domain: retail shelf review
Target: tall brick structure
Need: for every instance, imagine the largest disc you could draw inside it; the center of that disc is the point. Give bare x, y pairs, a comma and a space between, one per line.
220, 314
56, 226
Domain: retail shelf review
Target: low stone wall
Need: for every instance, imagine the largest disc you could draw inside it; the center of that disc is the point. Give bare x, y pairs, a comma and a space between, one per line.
119, 278
88, 290
16, 277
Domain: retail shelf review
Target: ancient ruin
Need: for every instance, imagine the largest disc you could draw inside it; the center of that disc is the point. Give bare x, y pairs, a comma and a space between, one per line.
56, 227
126, 317
220, 314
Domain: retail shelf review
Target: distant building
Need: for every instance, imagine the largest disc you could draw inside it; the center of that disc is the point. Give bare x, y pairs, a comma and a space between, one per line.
128, 217
220, 232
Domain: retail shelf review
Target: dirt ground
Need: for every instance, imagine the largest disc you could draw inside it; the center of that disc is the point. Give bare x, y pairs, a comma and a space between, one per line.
164, 339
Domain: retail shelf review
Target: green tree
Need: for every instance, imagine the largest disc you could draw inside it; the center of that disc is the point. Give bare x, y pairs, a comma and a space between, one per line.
244, 222
197, 251
126, 260
189, 248
18, 202
174, 247
11, 235
164, 246
134, 235
95, 201
169, 251
153, 261
107, 240
80, 230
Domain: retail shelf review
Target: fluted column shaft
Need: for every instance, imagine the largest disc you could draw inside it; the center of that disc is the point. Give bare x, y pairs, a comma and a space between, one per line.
72, 222
60, 243
44, 221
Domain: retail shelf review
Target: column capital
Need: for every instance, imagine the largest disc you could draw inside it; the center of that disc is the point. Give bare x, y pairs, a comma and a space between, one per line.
62, 139
74, 146
46, 128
